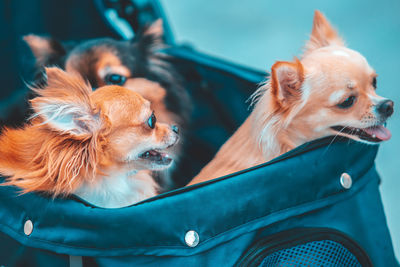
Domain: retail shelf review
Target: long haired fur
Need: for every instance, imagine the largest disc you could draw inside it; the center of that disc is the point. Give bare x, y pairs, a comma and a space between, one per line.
145, 69
98, 145
39, 158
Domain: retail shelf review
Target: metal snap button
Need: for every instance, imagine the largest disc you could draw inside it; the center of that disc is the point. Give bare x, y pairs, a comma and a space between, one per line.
345, 180
28, 227
192, 238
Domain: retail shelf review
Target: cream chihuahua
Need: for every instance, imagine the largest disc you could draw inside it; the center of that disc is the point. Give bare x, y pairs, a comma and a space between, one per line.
100, 145
330, 91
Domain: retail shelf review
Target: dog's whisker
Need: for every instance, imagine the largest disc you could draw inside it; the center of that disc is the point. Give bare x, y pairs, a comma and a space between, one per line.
330, 143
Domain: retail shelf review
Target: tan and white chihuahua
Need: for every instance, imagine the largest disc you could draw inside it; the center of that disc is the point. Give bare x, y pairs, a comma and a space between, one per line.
330, 91
99, 145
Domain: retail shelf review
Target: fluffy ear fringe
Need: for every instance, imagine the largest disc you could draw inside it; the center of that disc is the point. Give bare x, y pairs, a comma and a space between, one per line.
64, 104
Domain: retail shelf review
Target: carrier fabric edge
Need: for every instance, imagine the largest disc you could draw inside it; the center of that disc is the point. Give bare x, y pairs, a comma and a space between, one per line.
226, 209
48, 210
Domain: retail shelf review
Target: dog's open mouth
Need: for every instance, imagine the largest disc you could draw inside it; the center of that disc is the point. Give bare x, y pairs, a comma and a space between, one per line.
373, 134
157, 157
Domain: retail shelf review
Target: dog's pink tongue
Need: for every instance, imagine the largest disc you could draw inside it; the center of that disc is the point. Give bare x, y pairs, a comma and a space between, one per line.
379, 131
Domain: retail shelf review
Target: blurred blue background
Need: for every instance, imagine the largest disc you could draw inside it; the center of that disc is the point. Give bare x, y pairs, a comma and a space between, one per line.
256, 33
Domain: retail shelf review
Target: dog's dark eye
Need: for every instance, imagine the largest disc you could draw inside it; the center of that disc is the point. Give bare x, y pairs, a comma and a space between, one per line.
374, 82
348, 102
152, 121
115, 79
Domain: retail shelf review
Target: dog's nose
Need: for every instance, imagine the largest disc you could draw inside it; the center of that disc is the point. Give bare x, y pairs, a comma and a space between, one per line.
175, 129
385, 108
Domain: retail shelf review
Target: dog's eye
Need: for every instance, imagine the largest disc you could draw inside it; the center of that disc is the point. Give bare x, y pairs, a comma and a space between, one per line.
152, 121
115, 79
348, 102
374, 82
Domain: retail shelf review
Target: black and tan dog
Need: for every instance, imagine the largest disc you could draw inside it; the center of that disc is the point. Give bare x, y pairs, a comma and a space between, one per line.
137, 65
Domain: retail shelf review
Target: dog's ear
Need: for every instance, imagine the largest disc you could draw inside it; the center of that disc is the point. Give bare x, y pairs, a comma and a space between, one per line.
156, 29
323, 34
47, 51
286, 81
151, 38
64, 104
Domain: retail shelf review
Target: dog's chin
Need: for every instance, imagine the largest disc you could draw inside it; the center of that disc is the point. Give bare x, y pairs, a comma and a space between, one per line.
369, 135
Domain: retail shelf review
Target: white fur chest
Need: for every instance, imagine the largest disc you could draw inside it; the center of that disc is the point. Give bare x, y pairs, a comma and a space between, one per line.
118, 190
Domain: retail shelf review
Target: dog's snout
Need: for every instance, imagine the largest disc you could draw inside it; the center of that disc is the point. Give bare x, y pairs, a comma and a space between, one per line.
175, 129
385, 108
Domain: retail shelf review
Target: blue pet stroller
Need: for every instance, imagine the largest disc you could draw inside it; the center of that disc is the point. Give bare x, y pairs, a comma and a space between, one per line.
317, 205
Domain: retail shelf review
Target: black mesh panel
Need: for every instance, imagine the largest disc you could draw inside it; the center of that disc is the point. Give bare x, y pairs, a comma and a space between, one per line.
316, 253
